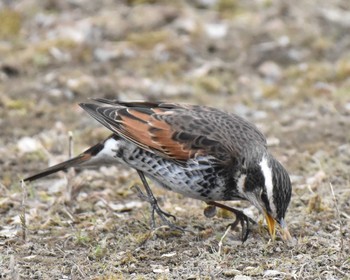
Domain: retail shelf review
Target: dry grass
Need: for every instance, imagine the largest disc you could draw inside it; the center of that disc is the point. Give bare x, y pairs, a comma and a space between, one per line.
282, 65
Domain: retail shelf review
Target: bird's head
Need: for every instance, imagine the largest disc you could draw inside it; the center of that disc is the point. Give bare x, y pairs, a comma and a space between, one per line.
267, 186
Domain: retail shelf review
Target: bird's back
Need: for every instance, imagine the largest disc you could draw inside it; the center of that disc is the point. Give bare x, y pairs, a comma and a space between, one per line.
180, 131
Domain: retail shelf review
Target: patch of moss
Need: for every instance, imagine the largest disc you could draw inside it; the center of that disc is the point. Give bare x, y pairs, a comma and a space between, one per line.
148, 40
342, 92
142, 238
140, 277
44, 197
169, 68
40, 54
321, 44
315, 71
128, 258
305, 79
342, 70
118, 276
209, 84
100, 251
226, 5
227, 8
36, 156
40, 59
222, 213
142, 2
267, 3
168, 233
10, 23
15, 104
318, 72
82, 238
271, 90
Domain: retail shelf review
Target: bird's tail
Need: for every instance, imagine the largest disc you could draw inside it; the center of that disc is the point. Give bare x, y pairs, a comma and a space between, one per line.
58, 167
84, 159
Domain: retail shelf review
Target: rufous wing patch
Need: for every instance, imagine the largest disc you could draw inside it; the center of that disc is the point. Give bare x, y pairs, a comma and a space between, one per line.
135, 125
162, 136
148, 130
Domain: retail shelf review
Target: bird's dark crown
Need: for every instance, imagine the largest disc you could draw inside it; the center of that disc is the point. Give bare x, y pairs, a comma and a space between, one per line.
282, 188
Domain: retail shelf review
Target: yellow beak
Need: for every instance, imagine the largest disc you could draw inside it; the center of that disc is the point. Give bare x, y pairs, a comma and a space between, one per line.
271, 224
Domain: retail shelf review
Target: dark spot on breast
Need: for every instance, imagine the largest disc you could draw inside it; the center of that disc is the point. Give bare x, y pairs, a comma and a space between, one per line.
119, 153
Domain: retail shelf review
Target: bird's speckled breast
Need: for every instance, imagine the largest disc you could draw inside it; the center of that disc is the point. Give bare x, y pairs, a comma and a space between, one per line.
197, 178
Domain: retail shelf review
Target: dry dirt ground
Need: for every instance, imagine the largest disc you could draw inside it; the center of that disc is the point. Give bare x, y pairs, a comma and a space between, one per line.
284, 65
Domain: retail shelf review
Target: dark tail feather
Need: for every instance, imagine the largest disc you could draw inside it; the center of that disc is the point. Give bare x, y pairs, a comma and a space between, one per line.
83, 158
59, 167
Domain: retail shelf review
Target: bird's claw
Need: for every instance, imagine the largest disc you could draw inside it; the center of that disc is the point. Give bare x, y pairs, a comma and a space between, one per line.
244, 221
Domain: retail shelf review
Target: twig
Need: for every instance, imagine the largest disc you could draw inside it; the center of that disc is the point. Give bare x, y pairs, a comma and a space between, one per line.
64, 210
70, 144
79, 270
22, 215
345, 215
69, 187
339, 219
339, 271
301, 270
223, 238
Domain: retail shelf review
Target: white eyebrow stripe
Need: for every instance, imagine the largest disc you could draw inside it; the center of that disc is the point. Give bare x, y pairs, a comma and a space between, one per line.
267, 172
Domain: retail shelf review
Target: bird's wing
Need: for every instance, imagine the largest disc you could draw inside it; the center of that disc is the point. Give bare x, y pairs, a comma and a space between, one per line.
179, 132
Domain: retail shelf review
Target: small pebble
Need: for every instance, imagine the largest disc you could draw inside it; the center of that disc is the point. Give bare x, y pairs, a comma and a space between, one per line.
347, 106
272, 141
271, 71
271, 273
231, 272
216, 30
28, 145
242, 277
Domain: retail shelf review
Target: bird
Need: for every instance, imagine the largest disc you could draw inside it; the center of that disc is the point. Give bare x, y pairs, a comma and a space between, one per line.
198, 151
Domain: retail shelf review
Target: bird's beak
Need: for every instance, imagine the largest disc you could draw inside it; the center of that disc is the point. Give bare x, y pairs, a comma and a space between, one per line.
271, 224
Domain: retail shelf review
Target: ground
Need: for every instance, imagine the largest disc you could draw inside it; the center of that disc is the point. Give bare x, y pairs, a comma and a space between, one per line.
284, 65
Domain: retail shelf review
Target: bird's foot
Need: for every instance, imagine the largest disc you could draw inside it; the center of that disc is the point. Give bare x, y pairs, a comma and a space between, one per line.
241, 218
155, 208
244, 221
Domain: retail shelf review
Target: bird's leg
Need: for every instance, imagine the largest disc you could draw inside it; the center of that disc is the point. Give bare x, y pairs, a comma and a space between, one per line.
241, 218
149, 197
144, 197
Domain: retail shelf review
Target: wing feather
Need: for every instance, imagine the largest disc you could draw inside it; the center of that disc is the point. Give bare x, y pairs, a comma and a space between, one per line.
179, 132
146, 127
